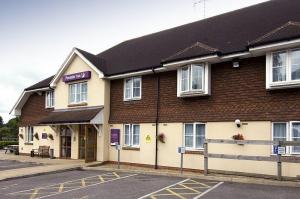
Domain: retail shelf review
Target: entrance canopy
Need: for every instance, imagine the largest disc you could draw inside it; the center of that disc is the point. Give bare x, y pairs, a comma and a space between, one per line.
90, 115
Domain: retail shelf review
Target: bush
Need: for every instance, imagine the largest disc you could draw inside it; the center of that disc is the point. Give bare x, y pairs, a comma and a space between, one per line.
5, 143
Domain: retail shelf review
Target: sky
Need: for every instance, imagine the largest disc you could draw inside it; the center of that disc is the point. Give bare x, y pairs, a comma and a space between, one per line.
37, 35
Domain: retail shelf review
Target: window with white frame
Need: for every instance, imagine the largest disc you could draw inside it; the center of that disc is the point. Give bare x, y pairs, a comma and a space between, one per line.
194, 135
29, 134
49, 99
193, 79
283, 68
78, 93
284, 131
133, 88
132, 135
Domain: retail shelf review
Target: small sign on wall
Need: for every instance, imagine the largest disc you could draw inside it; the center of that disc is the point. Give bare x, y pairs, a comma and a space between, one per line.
114, 136
77, 76
148, 139
44, 136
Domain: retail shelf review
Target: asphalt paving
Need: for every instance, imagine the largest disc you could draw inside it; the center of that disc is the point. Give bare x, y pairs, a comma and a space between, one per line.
12, 164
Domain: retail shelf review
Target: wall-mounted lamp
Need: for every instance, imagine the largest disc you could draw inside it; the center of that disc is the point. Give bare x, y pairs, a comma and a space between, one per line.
238, 123
235, 63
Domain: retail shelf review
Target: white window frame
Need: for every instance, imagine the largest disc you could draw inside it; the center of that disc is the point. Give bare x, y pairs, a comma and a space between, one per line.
205, 90
288, 83
131, 136
194, 136
289, 131
131, 86
80, 100
27, 129
50, 98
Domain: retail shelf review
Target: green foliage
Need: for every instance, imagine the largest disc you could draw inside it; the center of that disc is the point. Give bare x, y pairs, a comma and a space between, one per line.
10, 130
5, 143
1, 121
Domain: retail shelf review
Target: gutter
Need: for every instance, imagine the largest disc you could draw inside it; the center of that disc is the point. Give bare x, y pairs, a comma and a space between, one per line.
157, 117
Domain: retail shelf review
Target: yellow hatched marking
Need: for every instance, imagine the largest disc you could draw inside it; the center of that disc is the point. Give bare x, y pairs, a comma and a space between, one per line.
195, 182
116, 174
83, 182
189, 188
153, 197
101, 179
175, 194
34, 194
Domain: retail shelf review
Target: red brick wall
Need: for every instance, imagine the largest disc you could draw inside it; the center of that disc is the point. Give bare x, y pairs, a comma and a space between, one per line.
236, 93
34, 110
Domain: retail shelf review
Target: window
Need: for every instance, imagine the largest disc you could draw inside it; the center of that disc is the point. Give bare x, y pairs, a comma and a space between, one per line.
194, 135
49, 99
29, 134
132, 88
283, 68
78, 93
283, 131
132, 135
193, 80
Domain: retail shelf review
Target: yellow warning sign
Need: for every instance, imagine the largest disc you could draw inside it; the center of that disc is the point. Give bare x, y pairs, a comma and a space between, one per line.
148, 139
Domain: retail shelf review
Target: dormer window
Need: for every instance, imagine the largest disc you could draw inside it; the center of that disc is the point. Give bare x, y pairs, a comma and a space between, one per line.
193, 80
283, 69
132, 88
49, 99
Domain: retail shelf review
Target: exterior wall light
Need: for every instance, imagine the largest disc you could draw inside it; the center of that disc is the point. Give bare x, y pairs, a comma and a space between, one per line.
238, 123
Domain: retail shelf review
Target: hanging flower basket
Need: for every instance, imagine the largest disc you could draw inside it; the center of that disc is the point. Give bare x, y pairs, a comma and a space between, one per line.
36, 136
161, 137
238, 138
50, 136
21, 136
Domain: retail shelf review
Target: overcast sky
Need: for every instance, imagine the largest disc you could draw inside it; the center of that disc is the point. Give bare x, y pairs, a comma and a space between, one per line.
37, 35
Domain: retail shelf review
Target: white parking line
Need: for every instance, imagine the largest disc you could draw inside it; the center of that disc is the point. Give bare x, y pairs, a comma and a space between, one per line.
163, 189
208, 190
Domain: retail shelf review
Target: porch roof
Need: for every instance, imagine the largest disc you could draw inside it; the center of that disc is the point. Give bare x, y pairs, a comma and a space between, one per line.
91, 115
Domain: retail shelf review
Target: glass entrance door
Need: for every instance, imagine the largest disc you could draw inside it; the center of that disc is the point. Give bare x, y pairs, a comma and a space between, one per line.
90, 143
65, 142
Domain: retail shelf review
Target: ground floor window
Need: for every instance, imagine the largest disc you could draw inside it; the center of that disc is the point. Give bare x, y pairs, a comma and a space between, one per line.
287, 131
29, 134
132, 135
194, 135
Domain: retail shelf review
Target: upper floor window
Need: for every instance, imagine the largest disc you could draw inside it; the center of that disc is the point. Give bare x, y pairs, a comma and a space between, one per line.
78, 93
49, 99
283, 68
29, 134
283, 131
132, 135
194, 135
133, 88
193, 80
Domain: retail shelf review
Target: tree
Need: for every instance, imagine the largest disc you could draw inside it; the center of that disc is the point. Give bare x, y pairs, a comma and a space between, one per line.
1, 121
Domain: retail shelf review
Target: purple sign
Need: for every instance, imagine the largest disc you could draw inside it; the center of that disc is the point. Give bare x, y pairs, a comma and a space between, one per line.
77, 76
114, 136
44, 135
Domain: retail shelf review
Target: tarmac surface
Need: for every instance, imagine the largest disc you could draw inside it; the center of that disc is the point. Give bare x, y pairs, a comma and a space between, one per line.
13, 164
82, 184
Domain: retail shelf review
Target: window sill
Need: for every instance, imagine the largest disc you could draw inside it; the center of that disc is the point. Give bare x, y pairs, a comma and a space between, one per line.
130, 148
28, 143
198, 152
134, 99
193, 94
78, 104
282, 85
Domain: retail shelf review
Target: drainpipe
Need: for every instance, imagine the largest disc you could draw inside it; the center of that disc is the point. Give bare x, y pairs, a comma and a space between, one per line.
157, 116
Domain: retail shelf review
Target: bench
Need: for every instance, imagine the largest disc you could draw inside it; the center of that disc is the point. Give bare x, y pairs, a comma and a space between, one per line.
42, 151
12, 149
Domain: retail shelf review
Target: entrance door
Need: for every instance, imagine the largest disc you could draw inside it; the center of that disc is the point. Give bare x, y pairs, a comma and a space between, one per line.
82, 141
65, 142
90, 143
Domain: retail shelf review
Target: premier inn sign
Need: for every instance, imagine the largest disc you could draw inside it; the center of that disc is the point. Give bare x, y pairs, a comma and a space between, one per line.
77, 76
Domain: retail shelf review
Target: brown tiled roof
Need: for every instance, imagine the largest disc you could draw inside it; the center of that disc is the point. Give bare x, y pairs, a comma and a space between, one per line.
81, 115
42, 84
229, 33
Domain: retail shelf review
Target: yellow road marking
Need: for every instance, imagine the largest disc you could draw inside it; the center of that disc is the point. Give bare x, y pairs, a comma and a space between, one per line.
83, 182
175, 194
195, 182
101, 179
190, 188
34, 194
61, 187
116, 174
152, 197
